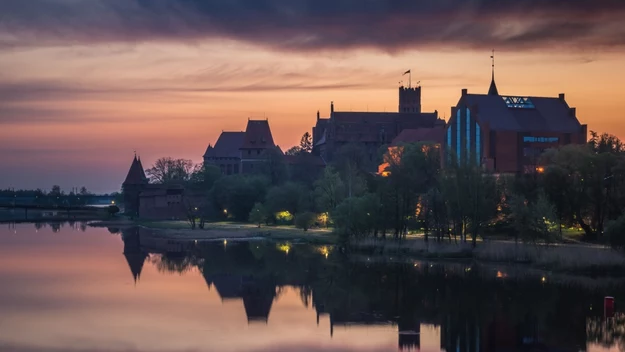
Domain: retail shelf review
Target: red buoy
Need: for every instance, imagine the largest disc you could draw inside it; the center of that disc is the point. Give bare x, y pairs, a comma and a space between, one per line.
608, 306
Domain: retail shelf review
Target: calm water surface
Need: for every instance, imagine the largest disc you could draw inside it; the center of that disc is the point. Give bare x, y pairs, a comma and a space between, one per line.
73, 288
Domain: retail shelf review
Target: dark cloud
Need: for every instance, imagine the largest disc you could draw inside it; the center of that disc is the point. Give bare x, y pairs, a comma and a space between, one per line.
309, 25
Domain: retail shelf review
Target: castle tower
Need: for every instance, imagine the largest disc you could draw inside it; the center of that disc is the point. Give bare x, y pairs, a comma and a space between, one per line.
410, 99
132, 186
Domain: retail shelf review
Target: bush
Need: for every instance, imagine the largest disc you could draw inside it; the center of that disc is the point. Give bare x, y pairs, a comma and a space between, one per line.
112, 210
258, 214
305, 220
615, 233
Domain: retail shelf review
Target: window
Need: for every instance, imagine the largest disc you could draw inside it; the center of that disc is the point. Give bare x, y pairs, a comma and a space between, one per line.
478, 144
468, 141
458, 135
530, 139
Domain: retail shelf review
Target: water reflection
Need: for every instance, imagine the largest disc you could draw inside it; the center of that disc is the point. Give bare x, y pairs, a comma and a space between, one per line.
96, 292
474, 313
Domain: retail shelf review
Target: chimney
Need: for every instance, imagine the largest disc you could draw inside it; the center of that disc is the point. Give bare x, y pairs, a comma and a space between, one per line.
572, 112
331, 107
561, 96
317, 114
464, 91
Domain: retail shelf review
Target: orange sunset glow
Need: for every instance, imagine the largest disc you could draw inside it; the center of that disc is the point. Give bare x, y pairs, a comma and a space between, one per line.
85, 83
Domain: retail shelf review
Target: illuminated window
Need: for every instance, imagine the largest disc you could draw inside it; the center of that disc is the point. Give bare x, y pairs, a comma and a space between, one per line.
519, 102
478, 144
530, 139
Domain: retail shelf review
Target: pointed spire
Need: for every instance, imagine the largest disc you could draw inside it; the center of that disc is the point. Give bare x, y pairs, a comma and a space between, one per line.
493, 87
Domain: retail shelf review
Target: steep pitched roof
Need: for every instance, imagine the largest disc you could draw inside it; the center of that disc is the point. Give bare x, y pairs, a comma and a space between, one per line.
435, 135
257, 135
537, 114
227, 145
136, 174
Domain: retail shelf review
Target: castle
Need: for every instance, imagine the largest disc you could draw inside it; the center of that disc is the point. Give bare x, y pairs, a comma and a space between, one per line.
499, 133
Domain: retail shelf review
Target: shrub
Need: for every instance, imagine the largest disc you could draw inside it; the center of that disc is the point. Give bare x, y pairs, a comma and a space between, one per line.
112, 209
305, 220
615, 233
258, 214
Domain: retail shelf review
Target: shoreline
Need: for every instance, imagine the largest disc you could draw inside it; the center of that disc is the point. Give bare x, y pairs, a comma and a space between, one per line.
584, 259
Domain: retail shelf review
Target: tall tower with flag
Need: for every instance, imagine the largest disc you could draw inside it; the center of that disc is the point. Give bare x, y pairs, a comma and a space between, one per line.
409, 97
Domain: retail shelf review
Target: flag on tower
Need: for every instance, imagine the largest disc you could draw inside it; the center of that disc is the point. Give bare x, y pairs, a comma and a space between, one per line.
407, 72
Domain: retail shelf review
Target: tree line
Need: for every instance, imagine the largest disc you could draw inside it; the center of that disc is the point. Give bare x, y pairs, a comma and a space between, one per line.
575, 186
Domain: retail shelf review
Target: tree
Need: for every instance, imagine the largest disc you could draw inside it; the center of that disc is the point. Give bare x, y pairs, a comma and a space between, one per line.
305, 143
274, 167
55, 191
533, 221
296, 150
288, 197
204, 176
258, 214
615, 232
352, 163
305, 220
329, 190
112, 210
168, 170
83, 191
236, 194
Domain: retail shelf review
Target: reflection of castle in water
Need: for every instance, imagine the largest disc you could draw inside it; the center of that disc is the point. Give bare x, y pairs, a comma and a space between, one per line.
474, 314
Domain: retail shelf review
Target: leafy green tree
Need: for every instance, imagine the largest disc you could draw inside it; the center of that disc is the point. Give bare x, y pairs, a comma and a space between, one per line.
236, 195
258, 215
329, 190
357, 216
288, 197
274, 167
204, 176
305, 220
352, 163
112, 210
534, 221
615, 233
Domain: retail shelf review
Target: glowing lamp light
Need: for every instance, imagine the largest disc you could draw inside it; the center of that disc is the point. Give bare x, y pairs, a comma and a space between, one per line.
113, 202
225, 242
540, 169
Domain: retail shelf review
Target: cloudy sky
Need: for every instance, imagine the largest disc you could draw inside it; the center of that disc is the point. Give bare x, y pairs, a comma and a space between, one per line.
84, 83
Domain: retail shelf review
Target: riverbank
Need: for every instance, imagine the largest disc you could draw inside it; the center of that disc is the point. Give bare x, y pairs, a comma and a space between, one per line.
222, 230
593, 260
579, 258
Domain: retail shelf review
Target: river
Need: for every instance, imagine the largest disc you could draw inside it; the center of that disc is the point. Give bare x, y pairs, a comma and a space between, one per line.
69, 287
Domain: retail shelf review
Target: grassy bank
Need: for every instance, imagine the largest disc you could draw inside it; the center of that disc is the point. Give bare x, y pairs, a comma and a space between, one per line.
588, 259
224, 230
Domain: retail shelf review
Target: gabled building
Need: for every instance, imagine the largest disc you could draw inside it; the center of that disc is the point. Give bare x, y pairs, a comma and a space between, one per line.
371, 130
241, 152
508, 133
134, 183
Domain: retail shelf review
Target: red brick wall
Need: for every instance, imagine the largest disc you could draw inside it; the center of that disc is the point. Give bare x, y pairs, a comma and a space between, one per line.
506, 152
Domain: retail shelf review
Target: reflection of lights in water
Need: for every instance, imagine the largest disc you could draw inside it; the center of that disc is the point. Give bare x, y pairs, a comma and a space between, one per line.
544, 279
501, 275
285, 247
195, 242
225, 242
324, 250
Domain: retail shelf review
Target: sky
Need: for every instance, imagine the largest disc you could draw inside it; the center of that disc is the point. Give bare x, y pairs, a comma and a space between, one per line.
85, 83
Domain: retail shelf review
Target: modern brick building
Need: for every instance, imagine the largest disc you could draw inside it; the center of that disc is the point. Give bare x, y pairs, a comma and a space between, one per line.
507, 133
371, 130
